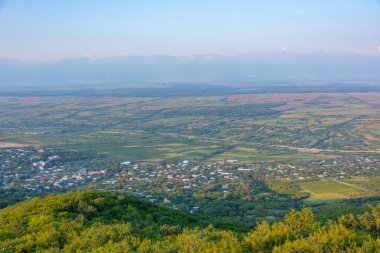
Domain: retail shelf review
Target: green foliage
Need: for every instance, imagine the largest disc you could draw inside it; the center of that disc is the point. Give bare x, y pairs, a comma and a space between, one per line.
288, 188
112, 222
266, 236
199, 240
82, 220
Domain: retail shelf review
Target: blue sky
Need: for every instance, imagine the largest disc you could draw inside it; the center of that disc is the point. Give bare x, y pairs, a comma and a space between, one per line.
51, 29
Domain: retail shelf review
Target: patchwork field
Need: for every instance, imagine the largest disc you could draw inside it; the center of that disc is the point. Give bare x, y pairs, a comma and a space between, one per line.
12, 145
296, 126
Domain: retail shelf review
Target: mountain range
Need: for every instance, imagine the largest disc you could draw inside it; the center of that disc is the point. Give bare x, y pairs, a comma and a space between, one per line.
199, 68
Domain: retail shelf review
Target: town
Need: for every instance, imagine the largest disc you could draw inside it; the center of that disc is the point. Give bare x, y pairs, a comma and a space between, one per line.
38, 171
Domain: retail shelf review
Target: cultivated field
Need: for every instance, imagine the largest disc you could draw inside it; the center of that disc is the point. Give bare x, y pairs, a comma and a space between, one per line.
296, 126
328, 189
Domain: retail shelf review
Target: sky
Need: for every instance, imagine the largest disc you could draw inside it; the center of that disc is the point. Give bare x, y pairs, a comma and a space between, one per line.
52, 29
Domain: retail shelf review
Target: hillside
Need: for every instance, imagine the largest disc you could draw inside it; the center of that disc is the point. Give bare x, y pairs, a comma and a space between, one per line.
112, 222
60, 221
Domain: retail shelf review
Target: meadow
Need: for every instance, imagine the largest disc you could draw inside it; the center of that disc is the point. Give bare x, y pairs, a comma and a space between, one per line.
328, 189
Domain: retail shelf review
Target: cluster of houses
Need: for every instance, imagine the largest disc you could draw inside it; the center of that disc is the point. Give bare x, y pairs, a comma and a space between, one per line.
191, 176
187, 175
342, 168
24, 168
34, 172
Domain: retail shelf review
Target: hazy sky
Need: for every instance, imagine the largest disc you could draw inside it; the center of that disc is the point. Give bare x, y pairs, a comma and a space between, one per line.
50, 29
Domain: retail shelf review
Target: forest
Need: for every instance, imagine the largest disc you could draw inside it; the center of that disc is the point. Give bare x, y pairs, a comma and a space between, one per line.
94, 221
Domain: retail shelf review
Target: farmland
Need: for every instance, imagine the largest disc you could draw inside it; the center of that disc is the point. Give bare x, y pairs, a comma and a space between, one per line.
234, 155
333, 190
246, 127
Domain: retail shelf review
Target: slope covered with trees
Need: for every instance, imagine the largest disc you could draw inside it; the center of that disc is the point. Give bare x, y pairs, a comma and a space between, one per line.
112, 222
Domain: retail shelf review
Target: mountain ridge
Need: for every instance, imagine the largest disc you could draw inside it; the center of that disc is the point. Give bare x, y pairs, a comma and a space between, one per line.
197, 68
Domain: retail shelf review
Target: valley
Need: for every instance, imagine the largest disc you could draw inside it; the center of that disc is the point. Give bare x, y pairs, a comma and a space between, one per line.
240, 156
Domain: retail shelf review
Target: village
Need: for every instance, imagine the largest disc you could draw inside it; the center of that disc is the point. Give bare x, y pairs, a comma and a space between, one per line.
39, 171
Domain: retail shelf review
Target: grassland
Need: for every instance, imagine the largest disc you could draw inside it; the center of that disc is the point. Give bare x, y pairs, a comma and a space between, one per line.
300, 126
372, 184
327, 190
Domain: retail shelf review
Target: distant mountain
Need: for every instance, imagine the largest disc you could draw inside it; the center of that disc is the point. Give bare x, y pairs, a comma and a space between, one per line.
201, 68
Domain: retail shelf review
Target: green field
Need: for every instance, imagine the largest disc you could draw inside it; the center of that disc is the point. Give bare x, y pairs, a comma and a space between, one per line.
328, 189
261, 127
372, 183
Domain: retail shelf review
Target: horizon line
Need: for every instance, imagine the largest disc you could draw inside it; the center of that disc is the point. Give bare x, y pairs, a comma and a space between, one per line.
90, 57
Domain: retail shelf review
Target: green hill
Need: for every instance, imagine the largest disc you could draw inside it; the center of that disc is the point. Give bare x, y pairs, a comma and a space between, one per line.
112, 222
56, 220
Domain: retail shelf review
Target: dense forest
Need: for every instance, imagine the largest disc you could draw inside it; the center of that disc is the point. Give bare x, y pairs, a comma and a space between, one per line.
95, 221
